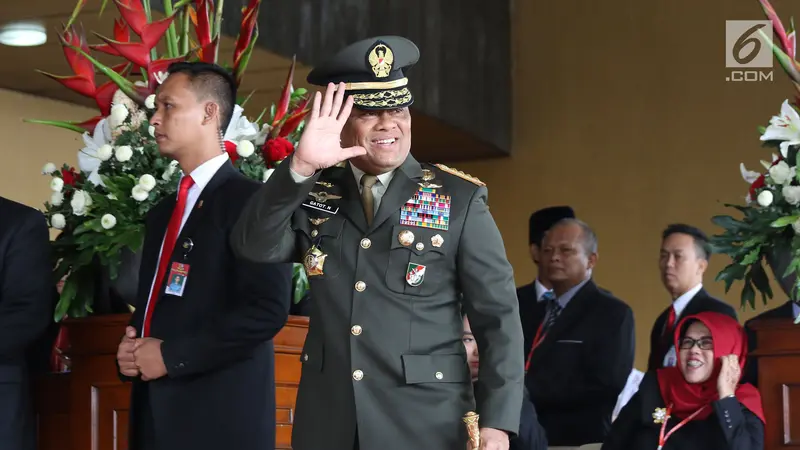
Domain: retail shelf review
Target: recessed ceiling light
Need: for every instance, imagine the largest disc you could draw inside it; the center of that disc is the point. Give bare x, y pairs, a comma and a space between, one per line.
23, 34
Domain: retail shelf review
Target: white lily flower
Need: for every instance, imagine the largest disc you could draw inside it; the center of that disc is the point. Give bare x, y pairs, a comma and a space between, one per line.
88, 158
240, 129
784, 128
749, 176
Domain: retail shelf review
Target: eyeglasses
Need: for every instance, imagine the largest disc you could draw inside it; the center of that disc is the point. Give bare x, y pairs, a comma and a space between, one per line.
705, 343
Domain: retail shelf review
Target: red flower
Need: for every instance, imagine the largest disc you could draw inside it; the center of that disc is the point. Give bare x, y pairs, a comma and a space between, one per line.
70, 177
276, 150
230, 147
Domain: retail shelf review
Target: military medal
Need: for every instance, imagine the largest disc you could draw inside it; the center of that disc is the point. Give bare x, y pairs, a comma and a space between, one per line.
317, 221
406, 238
427, 209
437, 241
427, 177
415, 274
314, 261
325, 183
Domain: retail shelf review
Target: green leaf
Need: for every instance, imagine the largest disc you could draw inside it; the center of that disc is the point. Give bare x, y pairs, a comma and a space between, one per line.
727, 222
753, 256
761, 281
748, 294
784, 221
68, 292
72, 126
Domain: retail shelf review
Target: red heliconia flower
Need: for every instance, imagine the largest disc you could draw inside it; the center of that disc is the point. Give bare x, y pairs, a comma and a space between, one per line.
156, 67
295, 119
248, 34
139, 52
283, 103
121, 34
105, 92
230, 148
83, 80
90, 124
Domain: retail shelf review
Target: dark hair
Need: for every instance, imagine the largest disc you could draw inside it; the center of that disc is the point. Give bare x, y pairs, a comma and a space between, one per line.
210, 81
544, 219
701, 244
588, 236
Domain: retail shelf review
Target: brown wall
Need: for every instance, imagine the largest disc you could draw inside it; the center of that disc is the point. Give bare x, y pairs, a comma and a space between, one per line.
622, 110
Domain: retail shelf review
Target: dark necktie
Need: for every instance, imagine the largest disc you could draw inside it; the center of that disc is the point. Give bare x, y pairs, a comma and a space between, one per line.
553, 311
367, 199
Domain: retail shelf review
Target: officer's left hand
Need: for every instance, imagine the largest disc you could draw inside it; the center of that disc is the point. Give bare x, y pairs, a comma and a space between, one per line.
493, 439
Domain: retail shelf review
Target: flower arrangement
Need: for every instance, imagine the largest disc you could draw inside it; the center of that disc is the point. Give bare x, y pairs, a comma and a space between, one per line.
100, 208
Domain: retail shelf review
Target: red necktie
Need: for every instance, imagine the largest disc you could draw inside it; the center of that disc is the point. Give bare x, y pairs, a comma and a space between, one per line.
173, 230
669, 330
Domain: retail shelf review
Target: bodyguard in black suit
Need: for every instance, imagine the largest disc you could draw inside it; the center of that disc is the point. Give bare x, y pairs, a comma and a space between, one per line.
789, 311
683, 261
202, 360
26, 300
585, 348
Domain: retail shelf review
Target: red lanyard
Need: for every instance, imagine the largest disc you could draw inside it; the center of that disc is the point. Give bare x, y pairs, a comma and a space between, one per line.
662, 439
536, 341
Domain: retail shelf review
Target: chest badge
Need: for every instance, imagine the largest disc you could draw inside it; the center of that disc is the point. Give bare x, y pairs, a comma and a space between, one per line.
314, 261
427, 209
415, 274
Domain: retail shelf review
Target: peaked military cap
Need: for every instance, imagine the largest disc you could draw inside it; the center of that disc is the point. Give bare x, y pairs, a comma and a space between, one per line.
373, 70
544, 219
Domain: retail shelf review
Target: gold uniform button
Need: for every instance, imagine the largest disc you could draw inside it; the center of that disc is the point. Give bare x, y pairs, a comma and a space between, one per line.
439, 375
361, 286
366, 243
358, 375
314, 233
356, 330
305, 357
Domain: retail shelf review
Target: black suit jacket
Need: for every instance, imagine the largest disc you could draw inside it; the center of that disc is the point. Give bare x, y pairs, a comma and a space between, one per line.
730, 426
219, 391
701, 302
581, 366
26, 307
529, 314
784, 311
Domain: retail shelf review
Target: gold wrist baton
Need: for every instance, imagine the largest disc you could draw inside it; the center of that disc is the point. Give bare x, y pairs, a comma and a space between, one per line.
473, 429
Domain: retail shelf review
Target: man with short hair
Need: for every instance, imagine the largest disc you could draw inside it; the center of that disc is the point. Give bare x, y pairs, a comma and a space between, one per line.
683, 261
531, 294
583, 349
27, 294
388, 245
199, 346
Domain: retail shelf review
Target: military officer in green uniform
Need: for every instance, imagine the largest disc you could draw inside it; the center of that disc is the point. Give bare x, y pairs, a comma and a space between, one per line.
389, 245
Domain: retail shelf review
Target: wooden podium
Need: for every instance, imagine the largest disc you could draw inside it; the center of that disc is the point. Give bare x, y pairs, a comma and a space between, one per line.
87, 408
778, 353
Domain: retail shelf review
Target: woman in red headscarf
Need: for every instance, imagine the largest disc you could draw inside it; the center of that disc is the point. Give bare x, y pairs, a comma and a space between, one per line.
699, 404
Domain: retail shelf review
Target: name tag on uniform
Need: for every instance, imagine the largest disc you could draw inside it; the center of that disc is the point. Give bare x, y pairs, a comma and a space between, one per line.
176, 281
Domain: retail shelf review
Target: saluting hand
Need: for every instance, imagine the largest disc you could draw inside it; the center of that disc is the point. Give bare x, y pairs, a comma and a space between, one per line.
320, 145
729, 376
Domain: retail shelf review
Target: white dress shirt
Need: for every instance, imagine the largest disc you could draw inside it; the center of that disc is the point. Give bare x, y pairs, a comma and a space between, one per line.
540, 290
679, 304
201, 176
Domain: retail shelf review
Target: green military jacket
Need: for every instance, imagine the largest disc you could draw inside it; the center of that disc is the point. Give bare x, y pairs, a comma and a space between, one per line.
383, 361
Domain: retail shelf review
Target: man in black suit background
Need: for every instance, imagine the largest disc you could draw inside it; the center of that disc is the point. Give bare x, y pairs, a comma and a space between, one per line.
584, 346
26, 301
531, 294
683, 261
200, 354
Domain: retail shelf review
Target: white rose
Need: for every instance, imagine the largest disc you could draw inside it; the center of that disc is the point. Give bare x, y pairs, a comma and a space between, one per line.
111, 197
108, 221
123, 153
48, 169
57, 184
267, 174
151, 131
150, 101
765, 198
139, 193
57, 199
80, 203
105, 152
118, 115
245, 148
147, 182
781, 173
58, 221
792, 194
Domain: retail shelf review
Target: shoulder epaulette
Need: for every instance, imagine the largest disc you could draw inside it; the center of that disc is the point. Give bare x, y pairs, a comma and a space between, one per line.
460, 174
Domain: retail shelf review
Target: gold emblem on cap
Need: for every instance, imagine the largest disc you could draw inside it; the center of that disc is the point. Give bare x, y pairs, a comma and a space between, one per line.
381, 59
437, 241
406, 237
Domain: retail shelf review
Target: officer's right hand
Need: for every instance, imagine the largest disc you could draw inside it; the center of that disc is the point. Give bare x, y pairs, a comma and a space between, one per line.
127, 363
320, 145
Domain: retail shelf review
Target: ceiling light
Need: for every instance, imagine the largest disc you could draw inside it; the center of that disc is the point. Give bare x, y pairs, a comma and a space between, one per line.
23, 34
